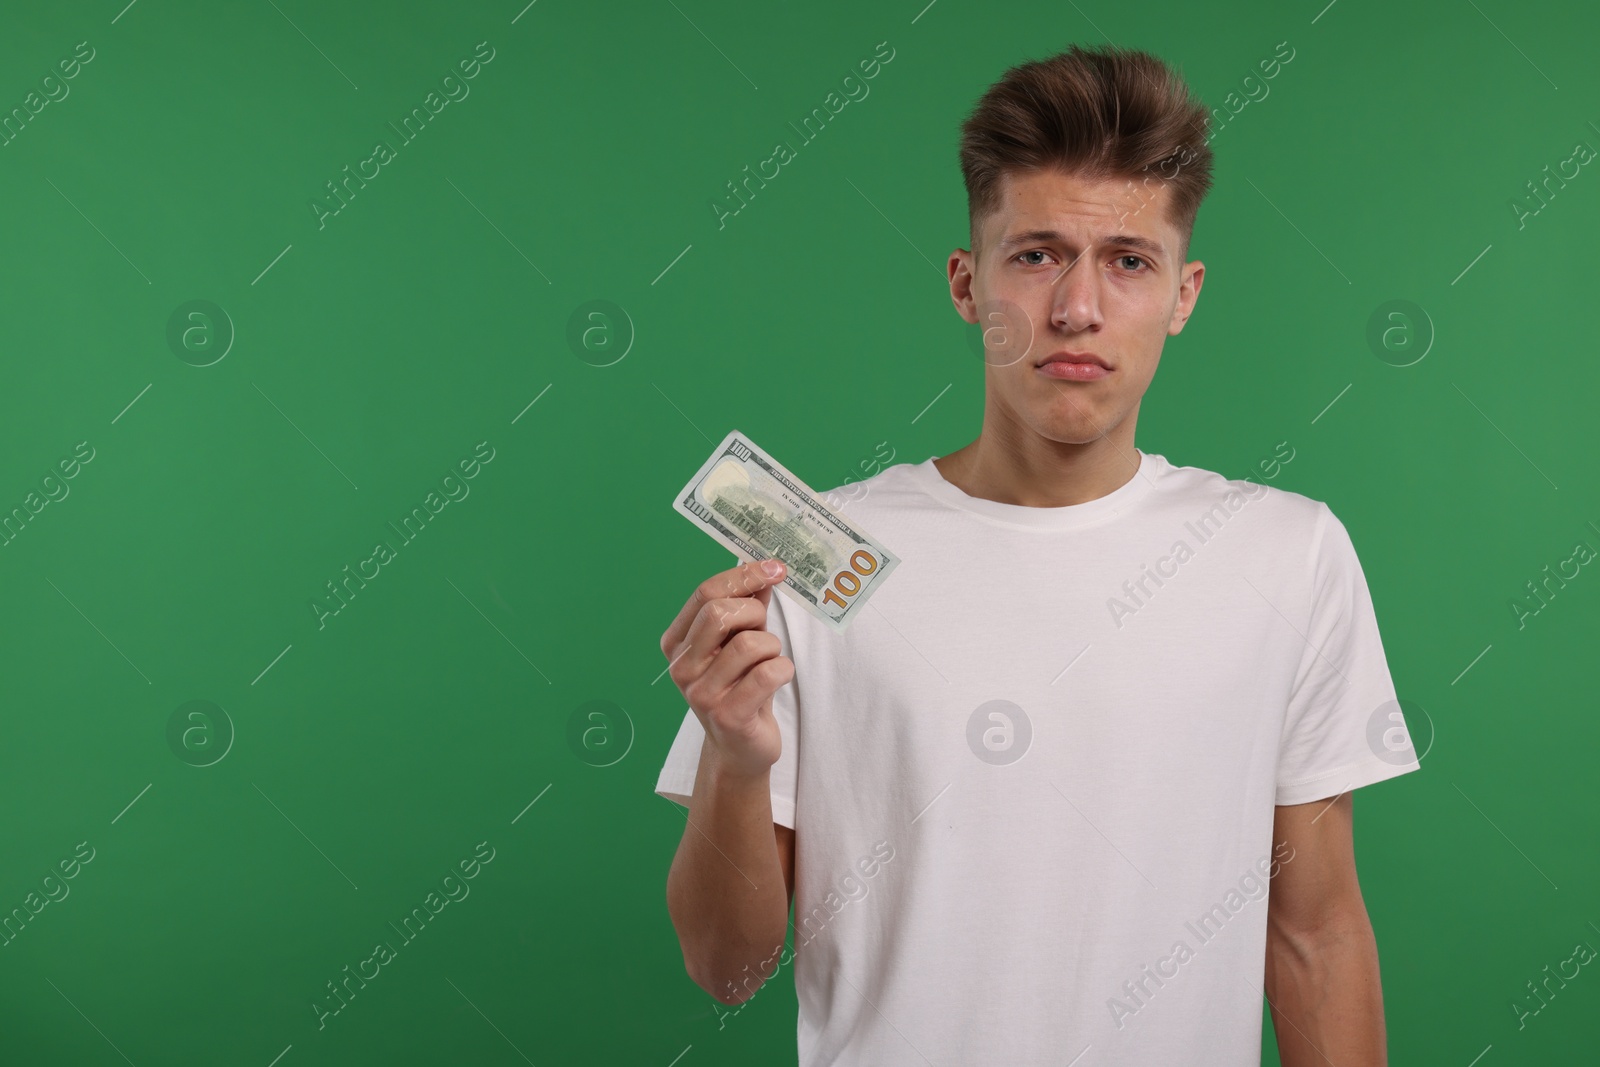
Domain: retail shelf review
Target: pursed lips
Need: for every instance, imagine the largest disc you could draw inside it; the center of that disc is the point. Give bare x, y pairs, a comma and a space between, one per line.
1073, 367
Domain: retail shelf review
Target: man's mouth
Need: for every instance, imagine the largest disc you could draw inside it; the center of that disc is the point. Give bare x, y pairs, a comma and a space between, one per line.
1073, 366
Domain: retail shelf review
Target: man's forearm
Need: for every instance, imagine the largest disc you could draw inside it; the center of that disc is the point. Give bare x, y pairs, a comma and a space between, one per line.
726, 892
1325, 996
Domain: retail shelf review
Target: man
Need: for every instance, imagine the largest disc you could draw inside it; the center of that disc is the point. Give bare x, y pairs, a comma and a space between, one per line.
1077, 782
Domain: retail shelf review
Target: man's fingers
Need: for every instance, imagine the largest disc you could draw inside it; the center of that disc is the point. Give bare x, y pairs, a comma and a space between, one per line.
742, 653
761, 681
747, 579
716, 625
731, 582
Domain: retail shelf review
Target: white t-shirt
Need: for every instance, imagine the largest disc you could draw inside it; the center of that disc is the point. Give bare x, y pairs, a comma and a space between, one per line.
1032, 785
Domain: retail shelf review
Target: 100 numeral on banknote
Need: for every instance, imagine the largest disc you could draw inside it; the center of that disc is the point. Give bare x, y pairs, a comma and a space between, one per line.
750, 503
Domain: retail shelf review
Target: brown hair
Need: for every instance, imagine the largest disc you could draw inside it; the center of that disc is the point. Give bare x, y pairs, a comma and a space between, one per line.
1099, 113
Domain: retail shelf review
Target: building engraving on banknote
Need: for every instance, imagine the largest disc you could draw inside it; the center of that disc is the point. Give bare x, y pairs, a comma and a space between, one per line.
784, 538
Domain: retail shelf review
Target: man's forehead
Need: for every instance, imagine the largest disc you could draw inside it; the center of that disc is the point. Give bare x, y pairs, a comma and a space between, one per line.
1039, 202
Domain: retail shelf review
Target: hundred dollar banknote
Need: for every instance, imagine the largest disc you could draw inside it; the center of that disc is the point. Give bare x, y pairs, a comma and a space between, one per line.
750, 503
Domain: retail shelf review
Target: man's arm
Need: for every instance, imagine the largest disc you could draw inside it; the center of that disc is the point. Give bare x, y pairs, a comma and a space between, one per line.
1322, 982
731, 882
729, 887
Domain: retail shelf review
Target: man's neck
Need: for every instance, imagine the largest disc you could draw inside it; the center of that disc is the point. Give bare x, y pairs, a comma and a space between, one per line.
1035, 472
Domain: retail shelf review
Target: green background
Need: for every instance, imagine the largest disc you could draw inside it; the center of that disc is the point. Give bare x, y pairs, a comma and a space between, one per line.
371, 354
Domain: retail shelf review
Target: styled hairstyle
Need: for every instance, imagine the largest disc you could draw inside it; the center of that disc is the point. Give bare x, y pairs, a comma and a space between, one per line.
1097, 113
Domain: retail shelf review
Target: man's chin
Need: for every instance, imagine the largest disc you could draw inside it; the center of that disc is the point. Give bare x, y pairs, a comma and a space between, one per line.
1065, 418
1080, 425
1069, 433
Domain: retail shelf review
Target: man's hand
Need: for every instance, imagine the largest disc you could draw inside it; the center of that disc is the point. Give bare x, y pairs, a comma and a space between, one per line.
727, 665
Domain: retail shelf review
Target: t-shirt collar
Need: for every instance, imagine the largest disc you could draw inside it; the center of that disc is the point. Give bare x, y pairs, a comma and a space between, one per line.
927, 477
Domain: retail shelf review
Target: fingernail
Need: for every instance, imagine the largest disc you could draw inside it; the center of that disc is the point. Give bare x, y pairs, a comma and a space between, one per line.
772, 567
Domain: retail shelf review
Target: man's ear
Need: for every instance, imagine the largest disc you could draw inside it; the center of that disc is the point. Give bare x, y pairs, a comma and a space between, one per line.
960, 267
1188, 294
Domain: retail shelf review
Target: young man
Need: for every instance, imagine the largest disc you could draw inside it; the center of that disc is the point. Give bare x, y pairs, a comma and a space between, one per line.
1077, 783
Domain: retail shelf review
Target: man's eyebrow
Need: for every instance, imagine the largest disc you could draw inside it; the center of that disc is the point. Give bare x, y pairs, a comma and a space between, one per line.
1126, 240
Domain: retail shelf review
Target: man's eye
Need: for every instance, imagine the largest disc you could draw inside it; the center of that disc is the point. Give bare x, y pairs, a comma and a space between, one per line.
1035, 252
1136, 259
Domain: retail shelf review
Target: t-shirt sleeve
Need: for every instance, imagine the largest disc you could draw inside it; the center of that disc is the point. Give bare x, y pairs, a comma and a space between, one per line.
676, 780
1343, 727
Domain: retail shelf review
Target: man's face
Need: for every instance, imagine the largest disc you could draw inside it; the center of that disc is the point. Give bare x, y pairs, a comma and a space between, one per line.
1074, 266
